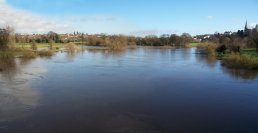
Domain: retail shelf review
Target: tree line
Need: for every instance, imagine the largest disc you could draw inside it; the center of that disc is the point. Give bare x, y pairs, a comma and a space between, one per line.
233, 42
102, 39
236, 41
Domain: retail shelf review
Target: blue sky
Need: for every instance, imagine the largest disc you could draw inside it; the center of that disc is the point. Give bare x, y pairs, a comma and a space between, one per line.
141, 17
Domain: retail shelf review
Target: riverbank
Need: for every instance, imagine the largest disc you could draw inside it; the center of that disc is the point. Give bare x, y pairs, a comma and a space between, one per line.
247, 58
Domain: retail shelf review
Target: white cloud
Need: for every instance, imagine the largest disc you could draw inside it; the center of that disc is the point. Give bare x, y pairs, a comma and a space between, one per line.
25, 22
28, 22
210, 17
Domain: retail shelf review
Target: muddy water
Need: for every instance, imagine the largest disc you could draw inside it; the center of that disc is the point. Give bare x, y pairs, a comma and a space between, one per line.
142, 90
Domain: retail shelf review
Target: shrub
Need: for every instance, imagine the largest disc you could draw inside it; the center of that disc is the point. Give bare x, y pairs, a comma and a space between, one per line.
222, 49
71, 47
116, 43
207, 48
45, 53
236, 60
28, 54
6, 38
187, 46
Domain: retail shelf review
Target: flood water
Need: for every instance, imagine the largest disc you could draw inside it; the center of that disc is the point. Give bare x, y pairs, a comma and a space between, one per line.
140, 90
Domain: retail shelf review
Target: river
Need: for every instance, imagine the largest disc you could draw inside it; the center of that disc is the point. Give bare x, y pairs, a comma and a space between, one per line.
143, 90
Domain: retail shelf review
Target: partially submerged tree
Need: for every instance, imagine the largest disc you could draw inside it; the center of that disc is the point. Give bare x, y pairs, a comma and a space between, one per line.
6, 38
4, 35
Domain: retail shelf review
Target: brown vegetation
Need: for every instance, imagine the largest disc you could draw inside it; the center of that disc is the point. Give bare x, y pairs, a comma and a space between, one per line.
71, 47
28, 54
236, 60
6, 38
207, 48
43, 53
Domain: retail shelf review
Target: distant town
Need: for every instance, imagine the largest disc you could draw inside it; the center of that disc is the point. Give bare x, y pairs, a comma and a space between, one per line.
241, 33
88, 39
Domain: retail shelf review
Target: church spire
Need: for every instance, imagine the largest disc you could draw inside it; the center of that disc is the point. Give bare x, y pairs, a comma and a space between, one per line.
246, 27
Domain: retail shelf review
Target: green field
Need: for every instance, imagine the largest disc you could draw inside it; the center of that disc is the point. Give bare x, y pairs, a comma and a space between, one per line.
249, 51
39, 45
194, 44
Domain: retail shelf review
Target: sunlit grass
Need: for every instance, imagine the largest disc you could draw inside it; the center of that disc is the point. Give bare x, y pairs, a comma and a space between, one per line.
194, 44
236, 60
249, 51
39, 45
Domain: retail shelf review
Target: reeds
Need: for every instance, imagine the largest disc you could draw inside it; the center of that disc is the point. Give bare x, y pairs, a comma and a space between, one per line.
236, 60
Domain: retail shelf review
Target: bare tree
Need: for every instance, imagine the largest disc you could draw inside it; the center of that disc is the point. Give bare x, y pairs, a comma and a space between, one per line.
6, 38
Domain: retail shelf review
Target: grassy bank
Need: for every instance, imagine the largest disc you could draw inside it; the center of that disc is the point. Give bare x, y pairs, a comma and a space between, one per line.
249, 51
25, 53
39, 45
194, 44
241, 61
246, 59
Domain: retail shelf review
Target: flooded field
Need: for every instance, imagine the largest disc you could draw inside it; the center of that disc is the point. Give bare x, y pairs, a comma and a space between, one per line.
144, 90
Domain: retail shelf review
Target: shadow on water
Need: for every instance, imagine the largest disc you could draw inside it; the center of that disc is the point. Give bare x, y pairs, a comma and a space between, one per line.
7, 65
240, 73
235, 73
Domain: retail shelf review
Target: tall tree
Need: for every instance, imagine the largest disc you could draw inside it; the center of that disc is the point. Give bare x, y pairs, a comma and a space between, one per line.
7, 37
255, 39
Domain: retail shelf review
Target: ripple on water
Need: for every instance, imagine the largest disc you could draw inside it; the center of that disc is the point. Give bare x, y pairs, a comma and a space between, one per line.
20, 81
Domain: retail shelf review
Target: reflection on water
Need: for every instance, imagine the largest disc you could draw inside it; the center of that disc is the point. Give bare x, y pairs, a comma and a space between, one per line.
142, 90
210, 61
7, 65
17, 96
241, 74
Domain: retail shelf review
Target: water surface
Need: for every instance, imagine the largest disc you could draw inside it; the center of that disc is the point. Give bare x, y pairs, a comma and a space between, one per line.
142, 90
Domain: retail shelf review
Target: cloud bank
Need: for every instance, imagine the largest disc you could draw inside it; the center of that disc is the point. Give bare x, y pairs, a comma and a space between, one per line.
25, 22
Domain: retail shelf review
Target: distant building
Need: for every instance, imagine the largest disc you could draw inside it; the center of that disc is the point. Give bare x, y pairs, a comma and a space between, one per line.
246, 27
247, 31
228, 33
